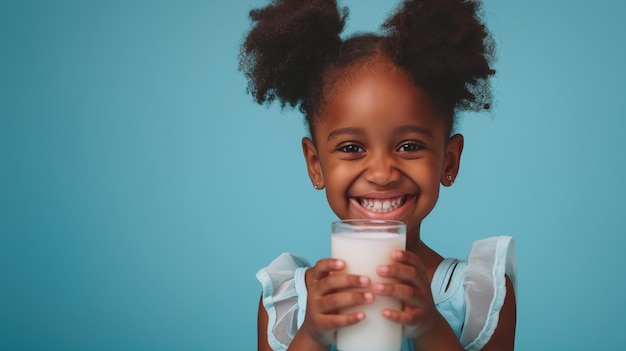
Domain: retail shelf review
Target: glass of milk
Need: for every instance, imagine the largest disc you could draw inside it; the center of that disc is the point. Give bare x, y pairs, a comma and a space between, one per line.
364, 245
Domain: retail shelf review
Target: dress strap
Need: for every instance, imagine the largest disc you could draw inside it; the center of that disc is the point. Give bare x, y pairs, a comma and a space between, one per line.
442, 285
448, 292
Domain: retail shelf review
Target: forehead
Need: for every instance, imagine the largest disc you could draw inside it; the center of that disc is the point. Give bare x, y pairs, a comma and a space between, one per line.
377, 68
375, 92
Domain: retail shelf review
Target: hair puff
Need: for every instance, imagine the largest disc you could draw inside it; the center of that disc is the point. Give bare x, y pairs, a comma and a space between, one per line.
290, 43
446, 48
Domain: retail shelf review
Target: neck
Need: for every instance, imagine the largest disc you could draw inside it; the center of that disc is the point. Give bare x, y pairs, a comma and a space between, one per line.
429, 257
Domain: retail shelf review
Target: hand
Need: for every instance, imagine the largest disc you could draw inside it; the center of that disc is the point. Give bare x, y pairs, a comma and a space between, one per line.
328, 292
412, 286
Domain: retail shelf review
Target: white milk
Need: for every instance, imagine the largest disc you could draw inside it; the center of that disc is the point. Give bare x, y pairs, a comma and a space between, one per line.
363, 252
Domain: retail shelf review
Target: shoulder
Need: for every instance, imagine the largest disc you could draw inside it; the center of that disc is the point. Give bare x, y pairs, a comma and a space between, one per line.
280, 271
490, 283
283, 278
283, 300
497, 254
503, 337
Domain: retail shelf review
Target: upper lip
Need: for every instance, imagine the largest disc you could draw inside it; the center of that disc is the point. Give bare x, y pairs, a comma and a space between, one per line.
379, 205
380, 196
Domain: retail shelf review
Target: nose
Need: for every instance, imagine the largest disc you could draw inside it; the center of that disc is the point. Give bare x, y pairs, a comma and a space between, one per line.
381, 169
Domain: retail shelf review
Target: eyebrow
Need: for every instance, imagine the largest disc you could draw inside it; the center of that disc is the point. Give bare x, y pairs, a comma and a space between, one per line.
343, 131
413, 129
361, 132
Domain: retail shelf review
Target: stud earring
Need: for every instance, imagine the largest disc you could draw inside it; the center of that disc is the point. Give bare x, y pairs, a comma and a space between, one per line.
316, 185
450, 179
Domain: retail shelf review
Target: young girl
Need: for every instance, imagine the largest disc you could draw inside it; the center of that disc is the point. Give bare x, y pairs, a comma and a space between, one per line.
380, 110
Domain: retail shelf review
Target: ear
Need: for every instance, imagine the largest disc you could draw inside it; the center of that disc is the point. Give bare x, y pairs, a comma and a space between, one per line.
313, 163
452, 160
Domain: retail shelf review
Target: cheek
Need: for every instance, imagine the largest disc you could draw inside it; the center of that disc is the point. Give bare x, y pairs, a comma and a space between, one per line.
426, 173
429, 183
337, 182
337, 201
337, 173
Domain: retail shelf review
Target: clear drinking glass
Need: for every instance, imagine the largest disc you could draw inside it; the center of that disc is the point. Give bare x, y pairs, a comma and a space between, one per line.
364, 245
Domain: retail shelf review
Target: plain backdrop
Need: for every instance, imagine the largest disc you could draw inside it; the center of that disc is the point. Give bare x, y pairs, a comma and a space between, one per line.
141, 188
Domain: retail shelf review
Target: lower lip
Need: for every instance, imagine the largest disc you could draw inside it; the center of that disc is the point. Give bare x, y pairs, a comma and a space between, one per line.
396, 214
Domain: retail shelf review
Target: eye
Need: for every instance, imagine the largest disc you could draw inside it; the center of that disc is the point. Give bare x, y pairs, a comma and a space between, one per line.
351, 148
410, 147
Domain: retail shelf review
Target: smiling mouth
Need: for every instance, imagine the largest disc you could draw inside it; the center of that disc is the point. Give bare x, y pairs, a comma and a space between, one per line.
382, 205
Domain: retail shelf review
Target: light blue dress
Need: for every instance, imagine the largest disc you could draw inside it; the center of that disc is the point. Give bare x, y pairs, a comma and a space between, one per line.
468, 294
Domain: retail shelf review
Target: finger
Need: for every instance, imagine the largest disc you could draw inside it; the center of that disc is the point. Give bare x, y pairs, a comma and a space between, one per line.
409, 269
336, 321
405, 293
324, 266
406, 257
336, 302
335, 282
403, 317
405, 274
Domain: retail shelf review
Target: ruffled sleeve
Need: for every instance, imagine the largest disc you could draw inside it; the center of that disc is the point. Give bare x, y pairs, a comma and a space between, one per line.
284, 298
489, 262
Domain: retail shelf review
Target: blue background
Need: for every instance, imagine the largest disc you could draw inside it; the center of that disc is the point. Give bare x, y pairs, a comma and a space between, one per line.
141, 188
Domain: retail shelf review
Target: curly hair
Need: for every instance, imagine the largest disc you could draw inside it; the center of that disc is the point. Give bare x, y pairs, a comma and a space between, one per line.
294, 52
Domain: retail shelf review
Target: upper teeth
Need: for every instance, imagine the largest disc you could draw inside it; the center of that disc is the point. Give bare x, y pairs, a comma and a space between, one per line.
382, 205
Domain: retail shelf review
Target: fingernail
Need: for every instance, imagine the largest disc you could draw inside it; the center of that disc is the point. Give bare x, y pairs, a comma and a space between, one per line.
339, 264
383, 269
378, 287
369, 297
360, 316
364, 281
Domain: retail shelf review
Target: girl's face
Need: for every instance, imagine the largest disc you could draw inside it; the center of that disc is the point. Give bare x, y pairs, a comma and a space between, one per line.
380, 149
